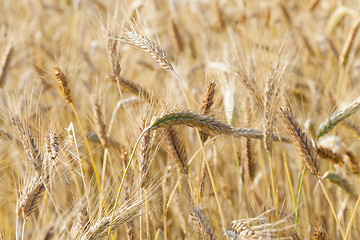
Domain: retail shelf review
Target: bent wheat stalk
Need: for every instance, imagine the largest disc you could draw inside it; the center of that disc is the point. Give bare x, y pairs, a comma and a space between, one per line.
206, 124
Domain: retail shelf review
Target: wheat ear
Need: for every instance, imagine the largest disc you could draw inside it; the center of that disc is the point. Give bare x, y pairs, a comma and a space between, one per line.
28, 142
205, 123
143, 43
145, 147
123, 215
328, 153
177, 149
100, 125
133, 87
337, 117
201, 224
305, 146
207, 104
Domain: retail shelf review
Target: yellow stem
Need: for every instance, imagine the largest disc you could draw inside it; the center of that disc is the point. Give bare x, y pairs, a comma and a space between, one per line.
273, 185
88, 147
287, 171
352, 218
332, 209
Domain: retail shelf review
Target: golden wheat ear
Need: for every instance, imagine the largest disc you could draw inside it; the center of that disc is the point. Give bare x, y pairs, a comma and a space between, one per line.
145, 44
201, 224
305, 145
207, 104
63, 84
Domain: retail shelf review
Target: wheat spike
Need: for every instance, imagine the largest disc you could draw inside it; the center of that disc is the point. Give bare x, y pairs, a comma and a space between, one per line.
201, 224
337, 117
83, 219
177, 149
134, 88
100, 125
28, 142
319, 234
112, 50
62, 82
52, 142
122, 216
305, 146
207, 104
145, 147
205, 123
143, 43
328, 153
30, 197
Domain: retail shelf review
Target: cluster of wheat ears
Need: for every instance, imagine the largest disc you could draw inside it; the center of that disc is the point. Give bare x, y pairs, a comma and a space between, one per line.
244, 127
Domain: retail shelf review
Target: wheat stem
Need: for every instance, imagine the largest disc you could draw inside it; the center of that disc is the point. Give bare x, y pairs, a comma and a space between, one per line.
332, 208
352, 219
88, 148
123, 179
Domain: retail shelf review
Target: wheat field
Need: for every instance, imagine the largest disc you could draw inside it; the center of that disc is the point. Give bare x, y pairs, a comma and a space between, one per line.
168, 120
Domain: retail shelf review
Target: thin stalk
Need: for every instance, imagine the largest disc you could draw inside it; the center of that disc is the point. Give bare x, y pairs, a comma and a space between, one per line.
332, 209
19, 228
288, 175
275, 199
241, 179
23, 229
212, 183
352, 218
165, 218
88, 148
123, 179
170, 198
104, 166
299, 194
140, 219
81, 169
